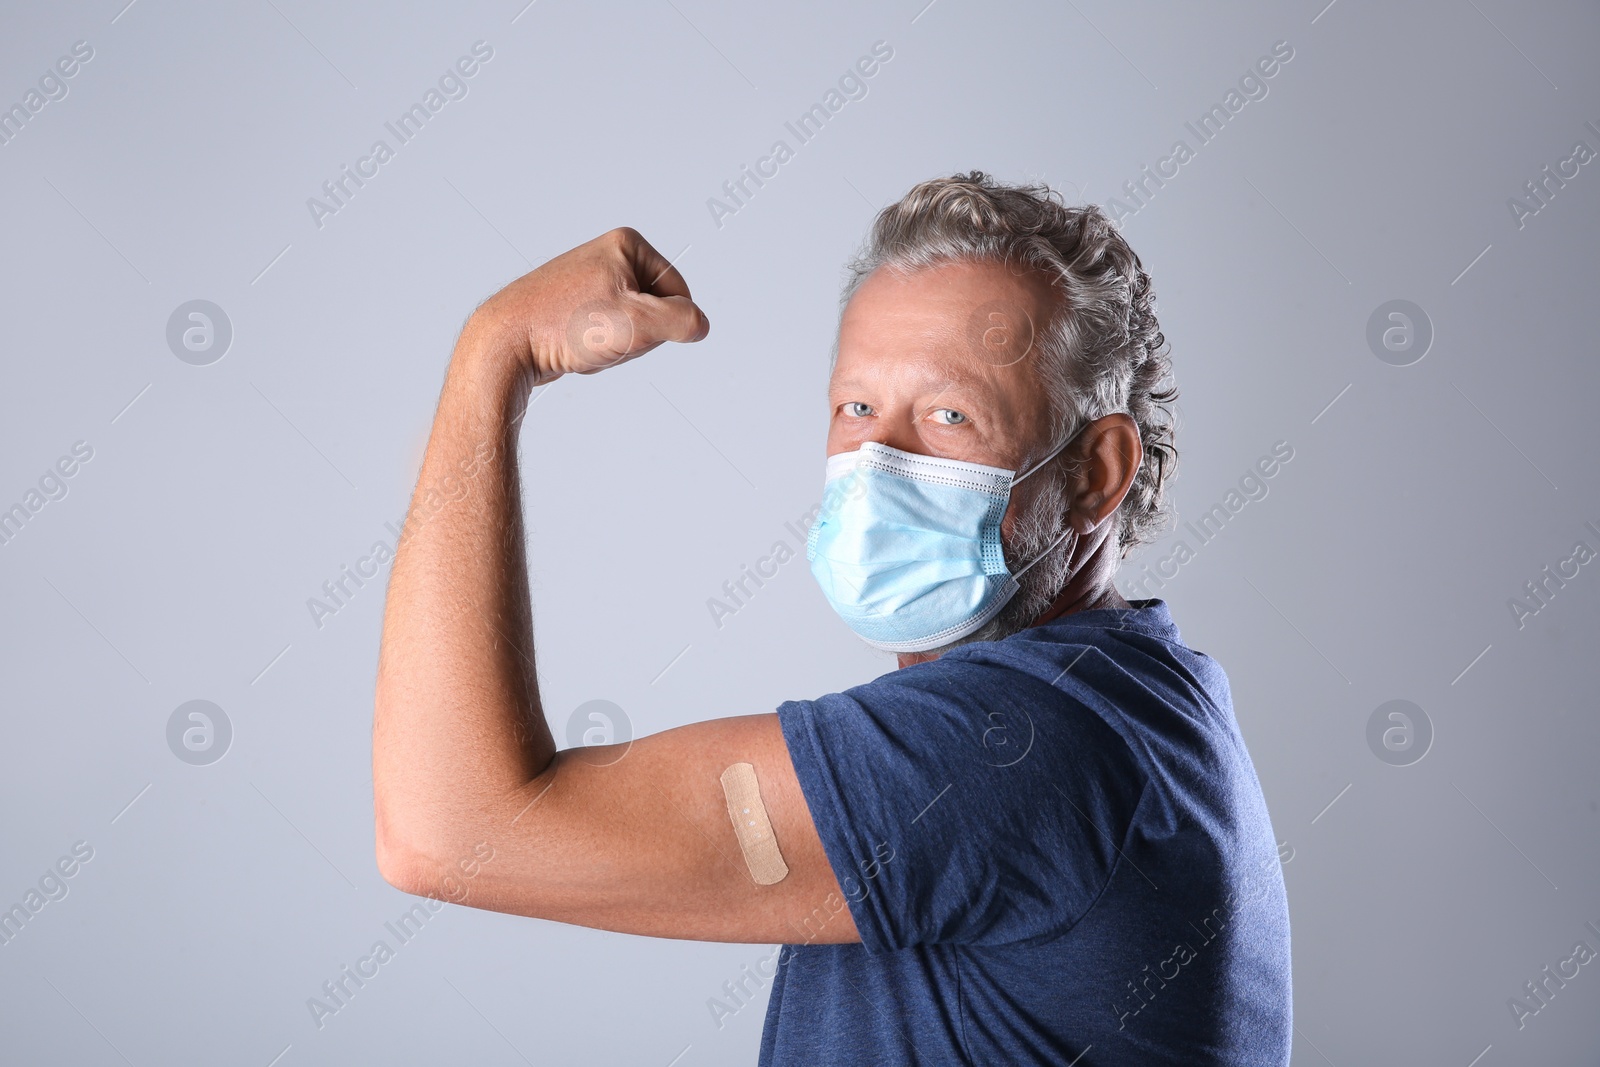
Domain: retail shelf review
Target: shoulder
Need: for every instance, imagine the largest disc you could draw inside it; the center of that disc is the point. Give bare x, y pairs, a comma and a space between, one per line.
955, 698
967, 715
1116, 658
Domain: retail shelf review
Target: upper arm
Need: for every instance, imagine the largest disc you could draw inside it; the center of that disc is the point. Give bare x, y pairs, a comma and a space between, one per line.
636, 837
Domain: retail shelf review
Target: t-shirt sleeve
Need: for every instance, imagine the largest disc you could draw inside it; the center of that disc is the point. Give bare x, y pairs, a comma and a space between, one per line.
962, 802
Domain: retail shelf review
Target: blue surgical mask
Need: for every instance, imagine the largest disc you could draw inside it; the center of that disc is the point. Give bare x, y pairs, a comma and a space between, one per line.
907, 547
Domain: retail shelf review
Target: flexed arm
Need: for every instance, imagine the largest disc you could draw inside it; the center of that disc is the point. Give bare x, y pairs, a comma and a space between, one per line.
635, 837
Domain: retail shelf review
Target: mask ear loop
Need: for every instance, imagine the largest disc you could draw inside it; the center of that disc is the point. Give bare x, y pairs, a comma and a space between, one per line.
1043, 554
1075, 435
1056, 543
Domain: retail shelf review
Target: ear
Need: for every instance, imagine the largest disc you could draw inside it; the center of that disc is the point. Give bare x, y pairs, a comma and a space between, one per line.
1107, 458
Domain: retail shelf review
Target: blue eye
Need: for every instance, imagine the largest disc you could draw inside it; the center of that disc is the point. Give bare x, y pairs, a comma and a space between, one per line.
857, 409
955, 417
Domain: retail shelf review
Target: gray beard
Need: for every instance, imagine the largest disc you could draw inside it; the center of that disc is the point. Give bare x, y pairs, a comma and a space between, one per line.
1035, 529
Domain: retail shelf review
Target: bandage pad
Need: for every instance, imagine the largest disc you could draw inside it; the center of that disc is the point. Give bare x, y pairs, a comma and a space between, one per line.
751, 825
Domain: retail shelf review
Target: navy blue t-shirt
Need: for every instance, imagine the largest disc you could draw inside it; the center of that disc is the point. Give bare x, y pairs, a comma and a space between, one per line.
1055, 850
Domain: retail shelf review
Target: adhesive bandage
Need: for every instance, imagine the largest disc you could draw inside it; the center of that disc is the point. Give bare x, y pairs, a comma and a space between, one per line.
751, 826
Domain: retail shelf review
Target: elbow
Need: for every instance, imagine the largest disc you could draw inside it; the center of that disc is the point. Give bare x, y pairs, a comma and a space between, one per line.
401, 862
398, 866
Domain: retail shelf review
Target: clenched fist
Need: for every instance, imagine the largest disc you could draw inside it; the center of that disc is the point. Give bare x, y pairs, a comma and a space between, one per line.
603, 303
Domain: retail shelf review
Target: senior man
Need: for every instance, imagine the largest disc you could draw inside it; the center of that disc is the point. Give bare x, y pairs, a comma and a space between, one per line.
1040, 840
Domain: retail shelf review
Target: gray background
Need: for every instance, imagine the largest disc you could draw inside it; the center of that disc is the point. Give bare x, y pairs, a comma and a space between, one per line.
219, 498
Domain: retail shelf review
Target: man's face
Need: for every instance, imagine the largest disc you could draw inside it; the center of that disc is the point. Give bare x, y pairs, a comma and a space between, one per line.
943, 362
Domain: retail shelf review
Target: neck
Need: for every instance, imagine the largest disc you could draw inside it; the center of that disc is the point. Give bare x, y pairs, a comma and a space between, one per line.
1090, 588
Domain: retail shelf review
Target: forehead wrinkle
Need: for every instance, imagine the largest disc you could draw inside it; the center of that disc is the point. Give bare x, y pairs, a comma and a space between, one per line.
938, 363
933, 367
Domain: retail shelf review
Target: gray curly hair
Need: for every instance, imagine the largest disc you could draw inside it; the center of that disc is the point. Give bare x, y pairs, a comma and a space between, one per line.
1105, 354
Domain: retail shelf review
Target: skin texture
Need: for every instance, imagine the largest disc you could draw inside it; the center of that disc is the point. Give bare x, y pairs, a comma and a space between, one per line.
636, 837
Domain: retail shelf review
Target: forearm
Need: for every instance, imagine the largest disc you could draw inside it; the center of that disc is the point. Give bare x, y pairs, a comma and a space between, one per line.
458, 725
